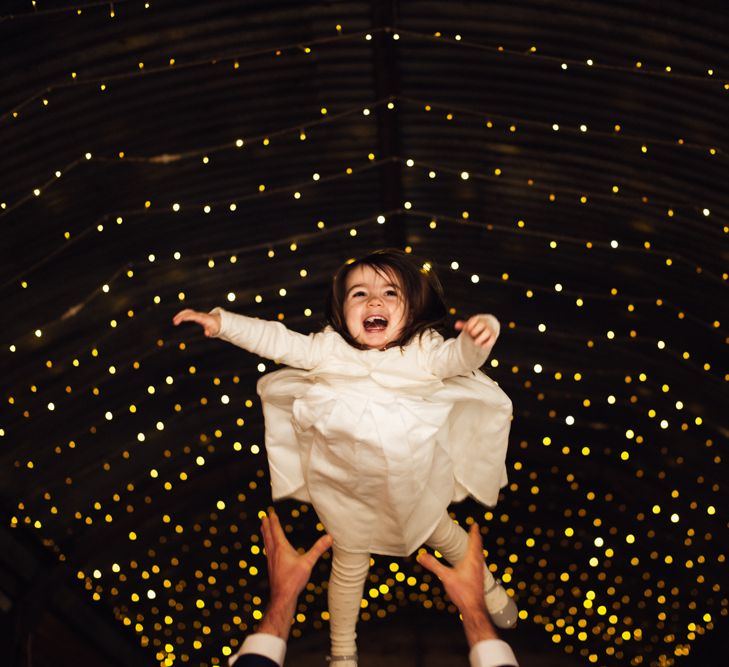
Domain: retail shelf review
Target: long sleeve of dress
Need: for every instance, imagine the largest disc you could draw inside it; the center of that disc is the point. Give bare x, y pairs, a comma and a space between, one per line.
271, 340
460, 355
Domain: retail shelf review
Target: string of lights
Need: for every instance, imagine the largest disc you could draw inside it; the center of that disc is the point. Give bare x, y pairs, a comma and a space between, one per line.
147, 472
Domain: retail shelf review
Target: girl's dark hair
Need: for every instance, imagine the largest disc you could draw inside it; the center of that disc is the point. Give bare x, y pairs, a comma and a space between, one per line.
421, 290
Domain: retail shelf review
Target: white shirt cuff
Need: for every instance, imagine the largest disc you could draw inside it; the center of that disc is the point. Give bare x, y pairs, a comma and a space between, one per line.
492, 653
269, 646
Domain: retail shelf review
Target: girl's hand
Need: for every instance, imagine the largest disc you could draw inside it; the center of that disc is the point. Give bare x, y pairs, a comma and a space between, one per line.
477, 327
210, 322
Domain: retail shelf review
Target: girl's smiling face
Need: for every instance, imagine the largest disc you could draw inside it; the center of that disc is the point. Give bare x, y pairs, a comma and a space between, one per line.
374, 309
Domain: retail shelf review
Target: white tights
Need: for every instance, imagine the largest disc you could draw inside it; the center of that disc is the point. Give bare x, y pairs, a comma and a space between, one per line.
349, 573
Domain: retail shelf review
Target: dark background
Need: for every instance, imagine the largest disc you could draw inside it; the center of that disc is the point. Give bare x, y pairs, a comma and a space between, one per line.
568, 174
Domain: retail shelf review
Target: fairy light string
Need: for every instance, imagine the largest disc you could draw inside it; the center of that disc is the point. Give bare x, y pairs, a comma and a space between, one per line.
607, 571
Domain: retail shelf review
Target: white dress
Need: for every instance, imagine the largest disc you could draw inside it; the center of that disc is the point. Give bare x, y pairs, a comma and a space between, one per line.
380, 442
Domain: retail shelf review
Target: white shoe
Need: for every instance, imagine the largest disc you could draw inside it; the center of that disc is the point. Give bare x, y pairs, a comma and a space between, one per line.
502, 609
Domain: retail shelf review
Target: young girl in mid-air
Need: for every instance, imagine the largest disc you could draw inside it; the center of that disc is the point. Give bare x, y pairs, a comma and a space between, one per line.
380, 423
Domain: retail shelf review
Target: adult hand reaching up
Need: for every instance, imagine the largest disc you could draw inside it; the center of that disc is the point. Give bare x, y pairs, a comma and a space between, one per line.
288, 573
464, 585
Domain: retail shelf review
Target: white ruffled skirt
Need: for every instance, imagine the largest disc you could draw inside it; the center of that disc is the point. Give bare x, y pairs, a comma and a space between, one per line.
380, 466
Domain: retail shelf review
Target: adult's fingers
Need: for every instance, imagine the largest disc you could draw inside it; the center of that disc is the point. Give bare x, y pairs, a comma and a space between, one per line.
277, 532
268, 541
433, 564
475, 544
320, 546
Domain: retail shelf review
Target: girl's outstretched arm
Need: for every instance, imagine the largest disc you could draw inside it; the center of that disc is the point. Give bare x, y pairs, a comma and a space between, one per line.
271, 340
469, 351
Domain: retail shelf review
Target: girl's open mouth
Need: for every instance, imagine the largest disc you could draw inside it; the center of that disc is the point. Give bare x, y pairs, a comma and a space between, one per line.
375, 323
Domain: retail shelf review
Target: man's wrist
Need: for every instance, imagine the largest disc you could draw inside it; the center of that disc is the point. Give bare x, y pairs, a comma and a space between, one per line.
277, 618
477, 626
